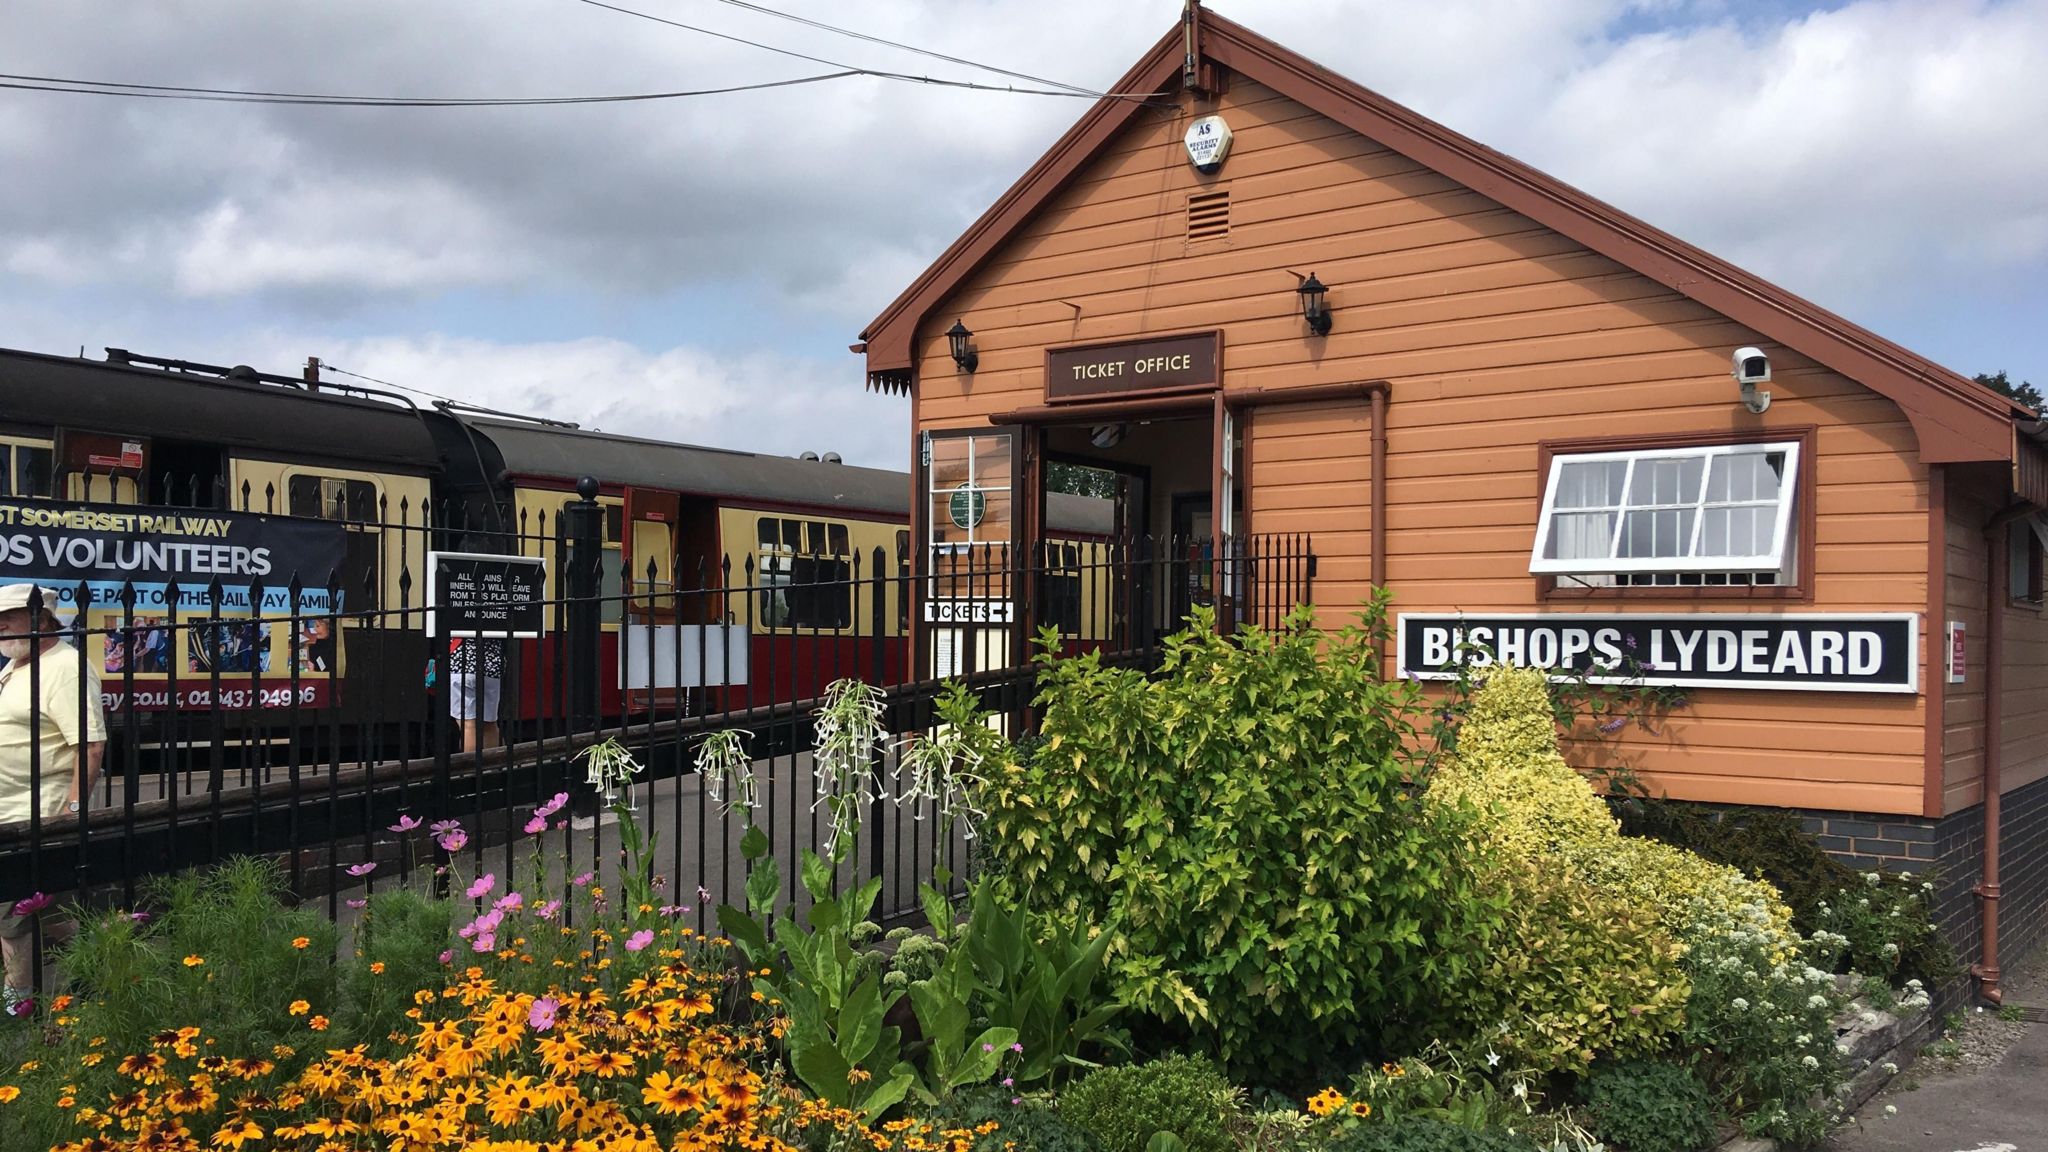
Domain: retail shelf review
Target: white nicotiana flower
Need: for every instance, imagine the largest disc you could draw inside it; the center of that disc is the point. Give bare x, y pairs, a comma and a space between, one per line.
1871, 878
1739, 1004
1811, 1062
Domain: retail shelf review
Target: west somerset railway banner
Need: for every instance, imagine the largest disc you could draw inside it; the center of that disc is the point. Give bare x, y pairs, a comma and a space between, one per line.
181, 645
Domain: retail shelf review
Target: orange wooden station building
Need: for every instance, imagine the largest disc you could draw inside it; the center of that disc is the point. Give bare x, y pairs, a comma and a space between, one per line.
1269, 300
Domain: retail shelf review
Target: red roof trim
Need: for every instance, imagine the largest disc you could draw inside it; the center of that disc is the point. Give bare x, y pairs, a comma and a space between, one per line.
1954, 417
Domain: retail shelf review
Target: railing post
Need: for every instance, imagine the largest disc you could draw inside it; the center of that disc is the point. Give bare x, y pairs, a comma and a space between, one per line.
583, 524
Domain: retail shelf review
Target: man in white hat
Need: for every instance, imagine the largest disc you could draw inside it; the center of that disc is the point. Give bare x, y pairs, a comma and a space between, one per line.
50, 749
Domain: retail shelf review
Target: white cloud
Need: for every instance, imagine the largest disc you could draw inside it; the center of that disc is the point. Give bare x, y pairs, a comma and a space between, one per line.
1881, 152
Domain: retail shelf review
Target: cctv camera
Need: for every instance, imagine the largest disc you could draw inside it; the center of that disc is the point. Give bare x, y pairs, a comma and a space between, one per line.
1752, 366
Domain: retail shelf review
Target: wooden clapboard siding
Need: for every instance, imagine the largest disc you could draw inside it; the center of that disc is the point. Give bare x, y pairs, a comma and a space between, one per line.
1973, 499
1496, 333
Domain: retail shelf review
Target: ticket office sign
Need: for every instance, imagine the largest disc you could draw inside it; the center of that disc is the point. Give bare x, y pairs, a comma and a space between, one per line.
1810, 651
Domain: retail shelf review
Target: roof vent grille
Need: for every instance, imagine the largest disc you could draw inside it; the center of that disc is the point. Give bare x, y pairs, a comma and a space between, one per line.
1208, 215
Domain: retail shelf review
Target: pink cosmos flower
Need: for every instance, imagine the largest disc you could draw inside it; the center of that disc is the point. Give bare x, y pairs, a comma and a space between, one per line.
406, 824
453, 840
358, 903
673, 910
483, 884
547, 911
139, 917
443, 827
553, 806
541, 1016
639, 940
485, 942
363, 869
536, 826
586, 878
447, 954
509, 901
30, 905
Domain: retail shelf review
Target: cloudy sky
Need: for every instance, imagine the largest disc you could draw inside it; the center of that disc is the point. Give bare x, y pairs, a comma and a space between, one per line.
696, 268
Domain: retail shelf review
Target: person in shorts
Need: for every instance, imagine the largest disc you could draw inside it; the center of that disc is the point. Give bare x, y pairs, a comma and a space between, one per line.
50, 754
476, 676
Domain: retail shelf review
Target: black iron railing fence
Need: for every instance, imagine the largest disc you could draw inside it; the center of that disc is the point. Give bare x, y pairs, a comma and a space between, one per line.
309, 719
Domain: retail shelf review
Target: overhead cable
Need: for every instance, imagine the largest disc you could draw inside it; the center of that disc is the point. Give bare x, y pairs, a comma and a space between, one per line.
872, 39
244, 96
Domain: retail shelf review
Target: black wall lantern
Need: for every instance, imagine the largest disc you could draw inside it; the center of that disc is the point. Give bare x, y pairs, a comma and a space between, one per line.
1315, 305
964, 355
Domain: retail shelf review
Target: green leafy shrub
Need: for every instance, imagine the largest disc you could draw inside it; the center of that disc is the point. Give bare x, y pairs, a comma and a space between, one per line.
1243, 822
1122, 1107
1422, 1134
1647, 1107
1026, 1125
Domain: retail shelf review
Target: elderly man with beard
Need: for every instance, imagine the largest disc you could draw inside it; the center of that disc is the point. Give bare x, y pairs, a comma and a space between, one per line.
50, 750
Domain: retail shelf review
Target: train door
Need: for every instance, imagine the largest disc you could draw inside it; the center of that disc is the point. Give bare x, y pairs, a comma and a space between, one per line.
652, 518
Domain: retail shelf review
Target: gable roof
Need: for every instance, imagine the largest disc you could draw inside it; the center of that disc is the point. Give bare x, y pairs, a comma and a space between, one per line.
1954, 417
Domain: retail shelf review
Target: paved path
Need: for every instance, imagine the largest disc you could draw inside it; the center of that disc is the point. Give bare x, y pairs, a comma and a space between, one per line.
2001, 1109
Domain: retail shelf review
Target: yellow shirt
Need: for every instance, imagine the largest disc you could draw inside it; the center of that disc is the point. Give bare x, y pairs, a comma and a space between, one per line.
57, 729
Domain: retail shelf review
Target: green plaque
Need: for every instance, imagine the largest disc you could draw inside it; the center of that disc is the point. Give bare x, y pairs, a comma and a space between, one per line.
967, 506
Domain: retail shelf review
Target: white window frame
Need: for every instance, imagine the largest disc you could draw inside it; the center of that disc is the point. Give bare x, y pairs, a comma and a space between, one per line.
1781, 536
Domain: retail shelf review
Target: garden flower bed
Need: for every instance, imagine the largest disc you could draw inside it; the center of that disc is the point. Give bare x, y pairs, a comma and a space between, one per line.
1258, 900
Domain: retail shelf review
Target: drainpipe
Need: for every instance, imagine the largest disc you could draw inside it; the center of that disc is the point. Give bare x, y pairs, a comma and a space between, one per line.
1379, 484
1997, 538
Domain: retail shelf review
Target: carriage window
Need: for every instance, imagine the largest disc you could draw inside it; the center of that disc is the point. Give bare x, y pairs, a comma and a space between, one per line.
332, 498
801, 586
611, 567
1679, 516
24, 468
354, 502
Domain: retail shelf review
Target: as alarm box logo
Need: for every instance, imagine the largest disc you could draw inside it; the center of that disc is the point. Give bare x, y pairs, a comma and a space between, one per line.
1814, 651
1208, 144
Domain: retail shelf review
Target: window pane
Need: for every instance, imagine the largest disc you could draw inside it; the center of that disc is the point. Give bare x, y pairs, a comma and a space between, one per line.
1660, 534
1666, 480
1743, 530
837, 535
1580, 536
768, 532
1592, 484
302, 494
793, 535
1755, 476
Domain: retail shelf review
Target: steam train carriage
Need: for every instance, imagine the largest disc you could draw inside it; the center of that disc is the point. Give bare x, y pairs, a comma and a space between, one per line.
679, 520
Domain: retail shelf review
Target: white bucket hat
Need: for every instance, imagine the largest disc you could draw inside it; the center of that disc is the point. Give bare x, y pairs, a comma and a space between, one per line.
15, 596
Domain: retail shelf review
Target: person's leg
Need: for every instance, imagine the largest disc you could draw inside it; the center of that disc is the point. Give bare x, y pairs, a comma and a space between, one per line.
490, 689
17, 944
469, 734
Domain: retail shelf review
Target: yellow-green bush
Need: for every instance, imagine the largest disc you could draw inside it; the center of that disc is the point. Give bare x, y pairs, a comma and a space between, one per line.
1574, 973
1508, 761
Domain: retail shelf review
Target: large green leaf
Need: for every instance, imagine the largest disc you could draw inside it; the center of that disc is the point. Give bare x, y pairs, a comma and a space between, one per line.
983, 1055
860, 1020
824, 1071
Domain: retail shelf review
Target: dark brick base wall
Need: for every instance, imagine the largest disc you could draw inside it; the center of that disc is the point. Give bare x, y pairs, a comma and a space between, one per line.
1955, 846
